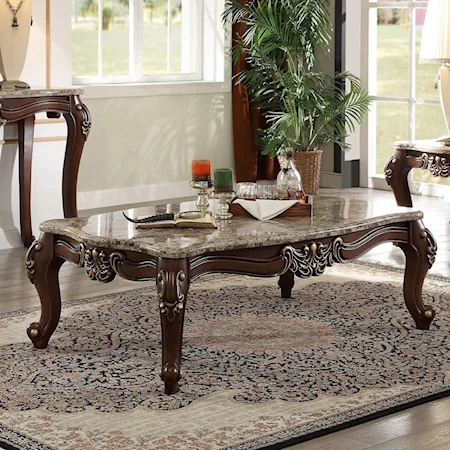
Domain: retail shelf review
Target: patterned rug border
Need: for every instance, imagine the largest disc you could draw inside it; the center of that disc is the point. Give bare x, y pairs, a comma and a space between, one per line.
289, 437
26, 443
335, 423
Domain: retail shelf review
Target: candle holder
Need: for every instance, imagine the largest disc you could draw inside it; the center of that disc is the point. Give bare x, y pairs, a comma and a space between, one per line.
202, 188
224, 198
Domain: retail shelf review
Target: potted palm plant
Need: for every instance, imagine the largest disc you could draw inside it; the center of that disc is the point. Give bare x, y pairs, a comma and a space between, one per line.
304, 109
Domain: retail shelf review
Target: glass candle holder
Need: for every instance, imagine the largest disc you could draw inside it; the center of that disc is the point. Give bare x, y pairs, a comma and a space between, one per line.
224, 199
202, 188
247, 191
223, 191
201, 181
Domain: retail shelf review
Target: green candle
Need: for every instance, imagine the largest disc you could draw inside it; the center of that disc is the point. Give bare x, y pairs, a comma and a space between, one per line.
223, 180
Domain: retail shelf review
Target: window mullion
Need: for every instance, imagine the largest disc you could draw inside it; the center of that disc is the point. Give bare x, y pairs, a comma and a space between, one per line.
412, 72
199, 38
169, 36
100, 38
136, 38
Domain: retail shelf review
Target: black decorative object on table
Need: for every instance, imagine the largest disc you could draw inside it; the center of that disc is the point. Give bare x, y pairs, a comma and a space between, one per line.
150, 219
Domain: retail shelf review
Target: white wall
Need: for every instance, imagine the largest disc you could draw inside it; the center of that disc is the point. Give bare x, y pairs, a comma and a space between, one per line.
139, 149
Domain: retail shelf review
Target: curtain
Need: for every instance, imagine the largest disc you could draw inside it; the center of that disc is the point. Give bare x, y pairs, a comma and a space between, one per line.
250, 165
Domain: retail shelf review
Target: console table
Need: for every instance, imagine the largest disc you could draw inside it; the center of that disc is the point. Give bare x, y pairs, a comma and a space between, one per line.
340, 230
21, 106
424, 155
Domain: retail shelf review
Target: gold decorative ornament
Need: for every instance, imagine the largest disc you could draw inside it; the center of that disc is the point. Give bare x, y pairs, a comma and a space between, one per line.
428, 314
34, 333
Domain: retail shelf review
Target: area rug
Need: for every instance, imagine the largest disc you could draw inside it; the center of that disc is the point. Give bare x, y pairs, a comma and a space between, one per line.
260, 372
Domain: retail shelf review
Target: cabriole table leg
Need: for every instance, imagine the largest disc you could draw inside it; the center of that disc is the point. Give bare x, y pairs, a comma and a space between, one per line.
43, 268
396, 174
172, 283
286, 283
78, 127
420, 254
26, 135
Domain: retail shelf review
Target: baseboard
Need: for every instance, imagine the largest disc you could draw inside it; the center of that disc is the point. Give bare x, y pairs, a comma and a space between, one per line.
131, 195
330, 180
10, 239
416, 188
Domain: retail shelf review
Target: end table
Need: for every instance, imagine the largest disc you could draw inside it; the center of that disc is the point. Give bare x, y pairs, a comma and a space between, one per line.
21, 106
424, 155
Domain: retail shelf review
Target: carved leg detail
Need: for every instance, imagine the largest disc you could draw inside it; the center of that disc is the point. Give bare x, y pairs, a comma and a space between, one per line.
396, 173
172, 284
43, 269
286, 283
420, 253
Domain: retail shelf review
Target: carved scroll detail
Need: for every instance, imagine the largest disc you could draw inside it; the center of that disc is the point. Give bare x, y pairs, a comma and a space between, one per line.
30, 263
86, 122
388, 169
98, 266
119, 264
311, 260
437, 165
431, 245
170, 309
80, 251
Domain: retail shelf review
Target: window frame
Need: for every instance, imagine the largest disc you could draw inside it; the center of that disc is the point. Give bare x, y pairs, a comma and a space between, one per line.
365, 38
211, 53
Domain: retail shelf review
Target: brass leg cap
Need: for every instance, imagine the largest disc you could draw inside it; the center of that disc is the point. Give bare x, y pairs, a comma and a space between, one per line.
34, 333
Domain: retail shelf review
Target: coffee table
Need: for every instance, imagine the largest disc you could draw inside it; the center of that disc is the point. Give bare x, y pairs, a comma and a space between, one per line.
106, 245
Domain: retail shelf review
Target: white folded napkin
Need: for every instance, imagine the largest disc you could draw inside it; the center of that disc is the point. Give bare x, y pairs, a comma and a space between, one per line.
265, 209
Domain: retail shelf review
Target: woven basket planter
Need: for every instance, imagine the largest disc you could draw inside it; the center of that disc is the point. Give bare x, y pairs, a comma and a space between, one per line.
308, 164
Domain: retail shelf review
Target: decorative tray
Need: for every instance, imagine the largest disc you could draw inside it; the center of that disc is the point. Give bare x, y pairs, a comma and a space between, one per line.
298, 210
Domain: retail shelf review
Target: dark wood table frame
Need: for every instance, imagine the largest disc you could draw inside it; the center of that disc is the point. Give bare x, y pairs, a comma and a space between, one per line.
400, 164
173, 276
23, 110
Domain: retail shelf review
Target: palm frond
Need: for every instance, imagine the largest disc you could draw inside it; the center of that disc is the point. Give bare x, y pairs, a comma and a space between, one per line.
303, 108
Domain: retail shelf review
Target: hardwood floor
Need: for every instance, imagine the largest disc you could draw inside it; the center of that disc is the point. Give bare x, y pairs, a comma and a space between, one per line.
423, 427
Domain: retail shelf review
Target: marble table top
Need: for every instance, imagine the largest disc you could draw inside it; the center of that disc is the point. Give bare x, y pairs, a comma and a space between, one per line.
427, 146
26, 93
332, 216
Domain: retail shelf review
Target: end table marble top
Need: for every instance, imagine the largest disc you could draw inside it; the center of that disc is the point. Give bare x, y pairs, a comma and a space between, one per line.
427, 146
332, 216
26, 93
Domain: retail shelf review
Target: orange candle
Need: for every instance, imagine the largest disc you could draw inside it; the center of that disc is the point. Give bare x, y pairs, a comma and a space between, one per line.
201, 170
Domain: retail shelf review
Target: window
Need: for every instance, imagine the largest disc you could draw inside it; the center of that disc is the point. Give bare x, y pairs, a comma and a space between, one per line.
406, 102
138, 41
